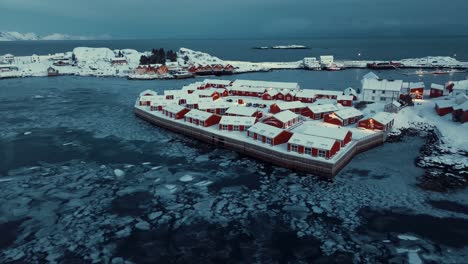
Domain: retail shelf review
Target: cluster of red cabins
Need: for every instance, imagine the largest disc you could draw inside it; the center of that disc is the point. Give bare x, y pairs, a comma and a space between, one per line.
457, 104
198, 104
214, 69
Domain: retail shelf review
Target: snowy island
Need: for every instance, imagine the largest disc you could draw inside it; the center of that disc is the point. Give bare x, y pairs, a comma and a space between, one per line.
316, 131
101, 62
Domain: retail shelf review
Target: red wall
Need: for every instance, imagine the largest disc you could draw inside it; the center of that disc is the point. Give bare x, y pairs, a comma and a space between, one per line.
274, 109
282, 138
436, 93
345, 102
444, 111
332, 120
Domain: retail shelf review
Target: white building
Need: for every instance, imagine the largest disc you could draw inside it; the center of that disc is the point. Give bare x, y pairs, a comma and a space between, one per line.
460, 87
7, 58
381, 90
326, 60
311, 63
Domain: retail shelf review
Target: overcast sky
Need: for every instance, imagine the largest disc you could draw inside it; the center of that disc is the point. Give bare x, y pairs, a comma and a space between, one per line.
236, 19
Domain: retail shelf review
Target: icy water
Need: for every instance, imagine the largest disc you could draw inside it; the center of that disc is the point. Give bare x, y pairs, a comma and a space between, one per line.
82, 180
241, 49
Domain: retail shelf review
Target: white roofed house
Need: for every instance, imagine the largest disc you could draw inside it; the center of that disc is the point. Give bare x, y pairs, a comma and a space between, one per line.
343, 136
145, 100
175, 111
294, 106
268, 134
415, 89
393, 107
351, 91
305, 96
148, 92
216, 83
311, 63
218, 107
343, 117
345, 100
157, 104
7, 58
318, 111
171, 94
437, 90
282, 119
459, 87
381, 90
194, 102
313, 145
236, 123
381, 121
246, 91
326, 60
201, 118
286, 95
243, 111
370, 75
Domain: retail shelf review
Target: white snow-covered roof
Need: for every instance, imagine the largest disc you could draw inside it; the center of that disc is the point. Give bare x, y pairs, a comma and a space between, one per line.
396, 103
197, 114
327, 132
214, 105
152, 97
158, 102
324, 101
412, 85
237, 120
309, 141
460, 85
265, 130
236, 87
175, 92
216, 81
463, 106
206, 92
150, 92
382, 84
241, 110
285, 116
306, 93
327, 92
370, 75
348, 113
264, 84
190, 87
437, 86
445, 103
383, 117
290, 105
272, 92
350, 91
174, 108
344, 97
116, 59
317, 109
197, 100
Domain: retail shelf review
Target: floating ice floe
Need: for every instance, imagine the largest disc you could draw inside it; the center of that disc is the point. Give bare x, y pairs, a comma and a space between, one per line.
119, 173
171, 187
156, 168
27, 133
203, 183
146, 163
407, 237
186, 178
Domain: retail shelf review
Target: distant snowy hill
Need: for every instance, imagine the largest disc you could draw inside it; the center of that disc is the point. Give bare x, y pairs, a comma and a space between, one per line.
15, 36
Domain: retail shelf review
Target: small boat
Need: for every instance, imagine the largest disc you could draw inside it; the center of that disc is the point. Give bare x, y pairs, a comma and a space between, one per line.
182, 75
440, 72
332, 67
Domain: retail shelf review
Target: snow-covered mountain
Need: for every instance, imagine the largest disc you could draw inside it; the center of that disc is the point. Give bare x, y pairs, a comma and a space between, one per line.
14, 36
